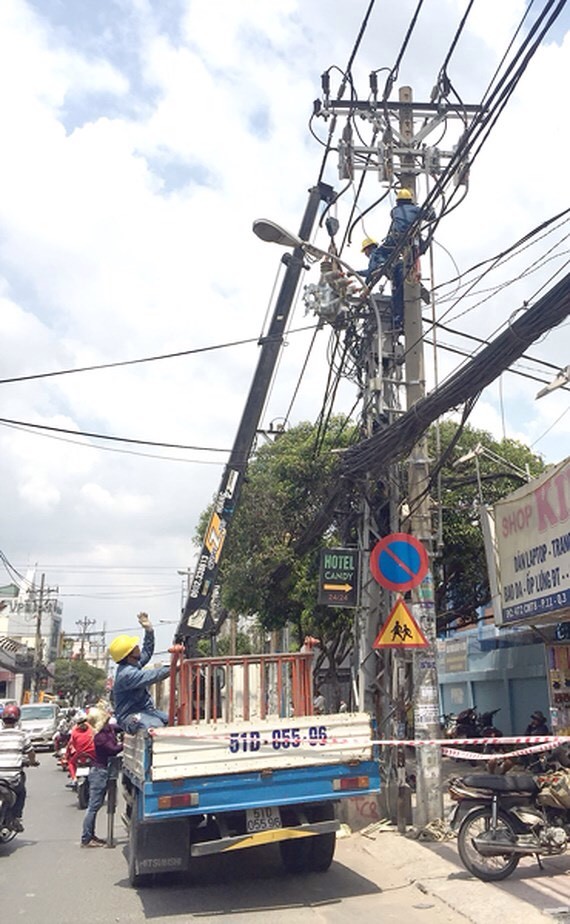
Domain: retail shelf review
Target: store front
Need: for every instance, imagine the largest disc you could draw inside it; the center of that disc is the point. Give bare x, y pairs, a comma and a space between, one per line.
529, 566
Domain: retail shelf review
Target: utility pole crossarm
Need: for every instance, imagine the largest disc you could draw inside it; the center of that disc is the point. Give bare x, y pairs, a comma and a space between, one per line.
343, 105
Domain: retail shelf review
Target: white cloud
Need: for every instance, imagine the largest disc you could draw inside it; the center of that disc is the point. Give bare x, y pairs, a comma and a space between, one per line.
113, 503
38, 493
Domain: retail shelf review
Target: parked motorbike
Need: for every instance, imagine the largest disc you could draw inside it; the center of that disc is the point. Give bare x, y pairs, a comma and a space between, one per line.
499, 819
83, 765
473, 724
448, 724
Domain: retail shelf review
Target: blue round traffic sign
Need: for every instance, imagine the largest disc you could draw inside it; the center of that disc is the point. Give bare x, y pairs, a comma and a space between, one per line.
399, 562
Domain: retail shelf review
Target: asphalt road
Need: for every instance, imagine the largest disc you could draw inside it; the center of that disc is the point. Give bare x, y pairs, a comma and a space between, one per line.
46, 877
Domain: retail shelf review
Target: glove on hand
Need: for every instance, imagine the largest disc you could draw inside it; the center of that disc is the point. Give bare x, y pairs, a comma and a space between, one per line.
144, 620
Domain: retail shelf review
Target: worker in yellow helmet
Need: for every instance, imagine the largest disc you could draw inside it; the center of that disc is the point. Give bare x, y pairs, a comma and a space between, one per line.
404, 214
134, 707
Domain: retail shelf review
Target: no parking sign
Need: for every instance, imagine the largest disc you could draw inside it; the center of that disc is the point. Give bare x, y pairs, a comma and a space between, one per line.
399, 562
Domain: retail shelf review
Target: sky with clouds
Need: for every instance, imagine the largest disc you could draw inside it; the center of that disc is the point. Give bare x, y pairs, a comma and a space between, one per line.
141, 138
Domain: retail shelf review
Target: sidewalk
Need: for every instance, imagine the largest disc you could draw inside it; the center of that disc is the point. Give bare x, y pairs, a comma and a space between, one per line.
434, 868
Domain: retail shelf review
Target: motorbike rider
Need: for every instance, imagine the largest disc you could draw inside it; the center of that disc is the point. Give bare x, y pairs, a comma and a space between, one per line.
80, 742
15, 750
133, 703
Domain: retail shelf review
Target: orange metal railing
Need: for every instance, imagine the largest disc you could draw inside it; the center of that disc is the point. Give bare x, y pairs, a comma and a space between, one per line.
237, 688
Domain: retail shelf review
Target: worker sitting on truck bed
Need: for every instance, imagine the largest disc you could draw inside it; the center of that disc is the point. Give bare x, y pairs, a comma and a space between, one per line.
133, 703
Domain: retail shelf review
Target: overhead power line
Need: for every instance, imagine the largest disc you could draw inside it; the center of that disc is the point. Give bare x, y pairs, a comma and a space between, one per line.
104, 436
469, 381
144, 359
373, 455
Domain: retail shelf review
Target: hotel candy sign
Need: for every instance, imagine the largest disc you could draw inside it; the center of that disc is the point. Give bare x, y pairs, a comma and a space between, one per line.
533, 544
338, 579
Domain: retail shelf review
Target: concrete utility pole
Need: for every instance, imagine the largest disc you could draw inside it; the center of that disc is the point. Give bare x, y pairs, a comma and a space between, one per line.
382, 378
429, 801
381, 675
84, 625
38, 642
380, 401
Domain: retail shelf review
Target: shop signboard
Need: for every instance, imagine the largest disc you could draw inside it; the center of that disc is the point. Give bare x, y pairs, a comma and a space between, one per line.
454, 651
533, 545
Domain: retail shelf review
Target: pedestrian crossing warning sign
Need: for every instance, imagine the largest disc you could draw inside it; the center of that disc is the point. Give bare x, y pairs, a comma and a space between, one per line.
400, 630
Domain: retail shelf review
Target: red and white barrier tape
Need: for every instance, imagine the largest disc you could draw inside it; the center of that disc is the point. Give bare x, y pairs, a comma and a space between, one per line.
477, 755
451, 742
534, 743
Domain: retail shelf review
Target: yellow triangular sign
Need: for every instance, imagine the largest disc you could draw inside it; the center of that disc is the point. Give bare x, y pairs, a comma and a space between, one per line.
400, 630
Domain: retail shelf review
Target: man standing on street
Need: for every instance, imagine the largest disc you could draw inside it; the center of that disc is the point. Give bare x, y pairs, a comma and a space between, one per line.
133, 703
106, 746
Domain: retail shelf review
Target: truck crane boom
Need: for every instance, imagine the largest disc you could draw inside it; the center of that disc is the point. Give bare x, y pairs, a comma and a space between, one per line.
196, 620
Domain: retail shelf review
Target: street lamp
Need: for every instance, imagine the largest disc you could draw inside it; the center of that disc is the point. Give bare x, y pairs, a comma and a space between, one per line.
480, 450
561, 379
272, 233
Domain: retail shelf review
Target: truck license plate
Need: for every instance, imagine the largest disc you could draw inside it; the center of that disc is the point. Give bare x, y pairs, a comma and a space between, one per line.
262, 819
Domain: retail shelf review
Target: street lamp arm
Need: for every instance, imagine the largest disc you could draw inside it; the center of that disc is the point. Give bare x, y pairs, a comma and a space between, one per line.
272, 233
561, 379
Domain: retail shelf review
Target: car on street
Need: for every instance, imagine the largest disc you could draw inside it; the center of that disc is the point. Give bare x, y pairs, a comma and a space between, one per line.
40, 721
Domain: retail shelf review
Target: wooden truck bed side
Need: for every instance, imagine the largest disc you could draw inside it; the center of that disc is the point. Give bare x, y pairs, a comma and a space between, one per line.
212, 749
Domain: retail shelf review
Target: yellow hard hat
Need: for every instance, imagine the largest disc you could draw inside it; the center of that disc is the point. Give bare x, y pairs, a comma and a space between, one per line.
404, 194
121, 646
368, 242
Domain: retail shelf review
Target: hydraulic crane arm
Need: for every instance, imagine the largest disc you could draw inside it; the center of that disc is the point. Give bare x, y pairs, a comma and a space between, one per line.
196, 620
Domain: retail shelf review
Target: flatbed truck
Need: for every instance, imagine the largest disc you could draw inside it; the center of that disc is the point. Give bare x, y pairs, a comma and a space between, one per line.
243, 763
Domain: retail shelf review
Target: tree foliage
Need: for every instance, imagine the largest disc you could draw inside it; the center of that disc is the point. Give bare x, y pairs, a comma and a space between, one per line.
287, 482
497, 469
78, 681
223, 645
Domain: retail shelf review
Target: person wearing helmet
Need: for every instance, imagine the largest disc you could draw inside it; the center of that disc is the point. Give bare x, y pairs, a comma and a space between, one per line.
369, 248
133, 703
404, 214
537, 724
80, 742
15, 751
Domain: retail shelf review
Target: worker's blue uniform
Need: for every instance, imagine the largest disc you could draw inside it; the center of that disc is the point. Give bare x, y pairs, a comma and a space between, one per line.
403, 215
133, 703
